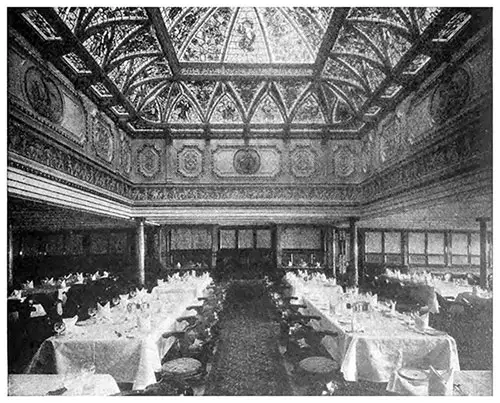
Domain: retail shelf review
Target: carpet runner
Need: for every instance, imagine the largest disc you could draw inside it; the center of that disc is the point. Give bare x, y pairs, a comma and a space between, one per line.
248, 361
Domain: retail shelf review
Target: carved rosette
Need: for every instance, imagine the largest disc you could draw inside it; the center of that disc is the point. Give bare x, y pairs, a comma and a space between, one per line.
190, 161
303, 162
450, 96
343, 162
148, 161
246, 161
43, 95
102, 138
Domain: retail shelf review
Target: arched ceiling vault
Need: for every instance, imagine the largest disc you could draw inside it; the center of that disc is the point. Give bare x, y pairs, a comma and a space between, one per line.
159, 71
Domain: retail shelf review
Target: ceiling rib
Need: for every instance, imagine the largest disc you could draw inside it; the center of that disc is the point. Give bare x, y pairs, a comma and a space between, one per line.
164, 39
332, 32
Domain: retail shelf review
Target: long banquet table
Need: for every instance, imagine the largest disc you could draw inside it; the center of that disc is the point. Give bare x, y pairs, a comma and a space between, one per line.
41, 385
384, 343
117, 346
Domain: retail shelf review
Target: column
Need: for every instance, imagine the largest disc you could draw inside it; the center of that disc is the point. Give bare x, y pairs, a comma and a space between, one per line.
10, 257
483, 245
279, 249
161, 246
215, 246
329, 250
140, 251
404, 249
353, 251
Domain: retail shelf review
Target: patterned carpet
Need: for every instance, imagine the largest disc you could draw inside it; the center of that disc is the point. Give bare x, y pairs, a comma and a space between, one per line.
248, 361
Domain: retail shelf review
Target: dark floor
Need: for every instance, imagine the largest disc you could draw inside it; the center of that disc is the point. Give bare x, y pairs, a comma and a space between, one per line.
248, 361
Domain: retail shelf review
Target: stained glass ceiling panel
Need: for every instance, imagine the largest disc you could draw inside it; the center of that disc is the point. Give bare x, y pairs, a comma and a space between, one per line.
250, 65
246, 34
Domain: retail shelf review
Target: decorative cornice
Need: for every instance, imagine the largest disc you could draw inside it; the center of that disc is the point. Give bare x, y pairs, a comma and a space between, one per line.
465, 151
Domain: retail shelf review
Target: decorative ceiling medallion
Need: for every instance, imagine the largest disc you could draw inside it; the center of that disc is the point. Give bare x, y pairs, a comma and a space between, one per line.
148, 161
190, 161
102, 138
246, 161
450, 96
43, 95
303, 162
343, 162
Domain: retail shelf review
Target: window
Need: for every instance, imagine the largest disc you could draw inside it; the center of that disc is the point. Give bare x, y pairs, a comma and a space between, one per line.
373, 247
459, 249
416, 248
435, 248
392, 247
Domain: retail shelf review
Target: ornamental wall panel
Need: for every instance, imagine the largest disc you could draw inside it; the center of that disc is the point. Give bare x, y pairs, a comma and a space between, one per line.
246, 161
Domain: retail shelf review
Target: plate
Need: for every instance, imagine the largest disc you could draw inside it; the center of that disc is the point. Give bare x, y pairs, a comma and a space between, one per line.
413, 374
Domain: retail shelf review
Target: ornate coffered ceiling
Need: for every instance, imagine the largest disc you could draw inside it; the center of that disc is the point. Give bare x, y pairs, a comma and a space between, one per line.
246, 71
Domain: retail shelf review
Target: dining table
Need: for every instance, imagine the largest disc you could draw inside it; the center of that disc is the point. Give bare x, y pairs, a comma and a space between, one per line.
123, 341
464, 383
61, 385
371, 345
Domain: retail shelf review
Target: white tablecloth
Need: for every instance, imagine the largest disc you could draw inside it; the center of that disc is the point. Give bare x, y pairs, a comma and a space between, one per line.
40, 385
115, 347
468, 383
373, 354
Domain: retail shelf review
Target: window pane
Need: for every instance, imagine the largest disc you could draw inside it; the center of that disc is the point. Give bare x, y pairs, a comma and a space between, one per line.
393, 258
373, 242
459, 259
416, 243
474, 244
264, 238
227, 238
374, 258
392, 242
459, 244
435, 243
436, 259
245, 239
417, 259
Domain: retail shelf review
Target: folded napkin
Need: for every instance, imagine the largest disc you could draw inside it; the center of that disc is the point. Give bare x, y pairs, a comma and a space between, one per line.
17, 294
28, 285
37, 311
69, 323
94, 277
105, 274
392, 306
440, 383
62, 284
79, 278
51, 281
104, 311
421, 321
160, 281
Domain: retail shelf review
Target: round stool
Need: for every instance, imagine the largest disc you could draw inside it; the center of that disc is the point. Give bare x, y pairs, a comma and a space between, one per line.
316, 369
182, 369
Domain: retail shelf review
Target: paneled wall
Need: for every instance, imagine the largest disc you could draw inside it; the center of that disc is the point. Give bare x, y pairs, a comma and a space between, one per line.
436, 251
40, 254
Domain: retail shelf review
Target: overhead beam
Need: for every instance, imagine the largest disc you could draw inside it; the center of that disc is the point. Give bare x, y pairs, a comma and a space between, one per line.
164, 39
331, 34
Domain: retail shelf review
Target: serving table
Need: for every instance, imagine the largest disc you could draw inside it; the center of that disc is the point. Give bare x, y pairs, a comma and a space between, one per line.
41, 385
128, 346
380, 342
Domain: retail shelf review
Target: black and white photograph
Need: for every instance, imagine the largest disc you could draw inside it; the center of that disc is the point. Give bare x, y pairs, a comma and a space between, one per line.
290, 199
